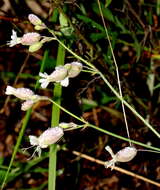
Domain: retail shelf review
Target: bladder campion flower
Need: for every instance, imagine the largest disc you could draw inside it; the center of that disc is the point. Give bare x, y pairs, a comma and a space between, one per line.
21, 93
48, 137
25, 94
124, 155
59, 75
32, 39
27, 39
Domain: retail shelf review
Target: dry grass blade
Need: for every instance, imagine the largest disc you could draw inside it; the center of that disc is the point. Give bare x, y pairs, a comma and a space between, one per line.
92, 159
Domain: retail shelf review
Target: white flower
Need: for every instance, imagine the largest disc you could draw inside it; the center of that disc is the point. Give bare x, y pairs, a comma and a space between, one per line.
25, 94
21, 93
14, 39
124, 155
48, 137
64, 82
59, 75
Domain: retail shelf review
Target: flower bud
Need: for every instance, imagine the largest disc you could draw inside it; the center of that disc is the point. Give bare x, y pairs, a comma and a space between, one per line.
74, 69
70, 125
35, 47
50, 136
39, 25
22, 93
34, 19
30, 38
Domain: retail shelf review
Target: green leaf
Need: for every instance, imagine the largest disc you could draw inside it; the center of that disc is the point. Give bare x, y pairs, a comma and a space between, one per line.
106, 12
87, 20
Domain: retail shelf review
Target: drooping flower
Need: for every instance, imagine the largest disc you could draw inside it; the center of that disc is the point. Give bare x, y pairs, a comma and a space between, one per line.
59, 75
48, 137
21, 93
32, 39
25, 94
124, 155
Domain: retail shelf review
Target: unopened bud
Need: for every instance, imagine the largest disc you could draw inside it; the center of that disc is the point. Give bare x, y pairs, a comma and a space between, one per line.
70, 125
74, 70
35, 47
34, 19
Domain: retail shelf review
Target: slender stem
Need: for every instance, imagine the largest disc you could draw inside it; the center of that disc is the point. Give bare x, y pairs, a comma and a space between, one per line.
130, 107
109, 85
103, 130
54, 122
117, 70
25, 122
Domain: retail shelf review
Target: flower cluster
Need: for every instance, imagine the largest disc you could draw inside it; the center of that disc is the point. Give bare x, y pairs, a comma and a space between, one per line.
24, 94
32, 39
61, 74
51, 135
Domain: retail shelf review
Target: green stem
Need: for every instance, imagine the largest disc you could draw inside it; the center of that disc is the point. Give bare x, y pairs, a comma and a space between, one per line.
109, 85
54, 122
130, 107
103, 130
25, 122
